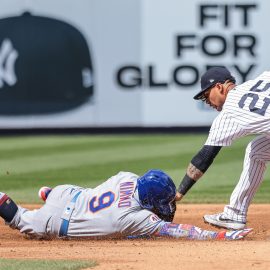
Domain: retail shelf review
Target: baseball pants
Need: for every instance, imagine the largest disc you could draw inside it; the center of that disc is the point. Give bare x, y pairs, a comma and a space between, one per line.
256, 156
46, 221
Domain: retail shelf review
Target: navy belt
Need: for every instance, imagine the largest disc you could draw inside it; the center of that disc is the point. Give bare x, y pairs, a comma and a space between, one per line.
67, 215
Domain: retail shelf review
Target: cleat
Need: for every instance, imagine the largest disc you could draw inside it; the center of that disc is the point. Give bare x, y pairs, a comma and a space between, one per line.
44, 192
220, 221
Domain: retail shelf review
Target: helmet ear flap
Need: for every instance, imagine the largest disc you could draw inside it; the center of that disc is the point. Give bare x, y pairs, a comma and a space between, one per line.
145, 203
146, 200
168, 214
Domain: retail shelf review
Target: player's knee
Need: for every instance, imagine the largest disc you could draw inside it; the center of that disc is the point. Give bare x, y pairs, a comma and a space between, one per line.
8, 209
255, 154
258, 150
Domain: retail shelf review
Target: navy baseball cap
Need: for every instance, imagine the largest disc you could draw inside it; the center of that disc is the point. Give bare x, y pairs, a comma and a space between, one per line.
45, 66
211, 77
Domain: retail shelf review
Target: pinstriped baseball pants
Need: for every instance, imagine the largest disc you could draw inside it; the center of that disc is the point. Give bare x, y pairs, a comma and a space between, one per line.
256, 156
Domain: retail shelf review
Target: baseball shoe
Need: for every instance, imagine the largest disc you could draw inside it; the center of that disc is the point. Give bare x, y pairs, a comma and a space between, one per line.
44, 193
222, 222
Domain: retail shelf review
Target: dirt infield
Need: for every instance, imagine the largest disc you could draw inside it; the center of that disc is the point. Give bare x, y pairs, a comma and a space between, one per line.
251, 253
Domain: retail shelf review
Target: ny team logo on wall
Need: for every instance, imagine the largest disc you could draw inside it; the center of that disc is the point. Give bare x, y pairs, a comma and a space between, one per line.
8, 56
47, 69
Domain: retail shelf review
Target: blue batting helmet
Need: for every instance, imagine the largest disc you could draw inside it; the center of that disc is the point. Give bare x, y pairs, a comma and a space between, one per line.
157, 192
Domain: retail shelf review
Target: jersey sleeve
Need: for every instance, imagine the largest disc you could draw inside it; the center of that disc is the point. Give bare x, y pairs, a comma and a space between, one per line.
142, 222
224, 130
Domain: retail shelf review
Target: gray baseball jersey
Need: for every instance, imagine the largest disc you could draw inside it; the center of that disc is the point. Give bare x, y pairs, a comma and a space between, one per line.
111, 208
246, 111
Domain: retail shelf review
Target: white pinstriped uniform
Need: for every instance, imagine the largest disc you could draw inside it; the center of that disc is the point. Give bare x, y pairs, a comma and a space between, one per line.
246, 111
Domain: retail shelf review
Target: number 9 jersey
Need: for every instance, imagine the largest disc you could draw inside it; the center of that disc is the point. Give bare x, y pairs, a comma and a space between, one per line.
246, 111
112, 208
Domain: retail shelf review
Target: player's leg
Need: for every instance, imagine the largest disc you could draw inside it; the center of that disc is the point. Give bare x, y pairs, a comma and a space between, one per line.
256, 157
37, 222
15, 216
234, 215
8, 208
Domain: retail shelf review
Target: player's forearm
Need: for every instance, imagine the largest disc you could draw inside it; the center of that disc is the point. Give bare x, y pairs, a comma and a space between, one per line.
189, 232
197, 167
190, 178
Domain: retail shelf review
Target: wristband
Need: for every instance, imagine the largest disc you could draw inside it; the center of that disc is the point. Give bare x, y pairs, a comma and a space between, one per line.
186, 184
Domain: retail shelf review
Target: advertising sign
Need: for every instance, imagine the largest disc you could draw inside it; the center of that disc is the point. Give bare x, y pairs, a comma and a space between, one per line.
97, 63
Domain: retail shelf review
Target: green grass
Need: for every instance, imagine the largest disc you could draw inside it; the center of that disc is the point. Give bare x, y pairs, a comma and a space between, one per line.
29, 162
15, 264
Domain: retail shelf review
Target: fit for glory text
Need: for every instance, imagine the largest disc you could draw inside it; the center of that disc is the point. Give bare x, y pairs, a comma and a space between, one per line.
213, 46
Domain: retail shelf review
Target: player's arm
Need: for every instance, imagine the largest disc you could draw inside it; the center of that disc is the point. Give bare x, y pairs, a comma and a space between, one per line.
192, 232
197, 167
144, 224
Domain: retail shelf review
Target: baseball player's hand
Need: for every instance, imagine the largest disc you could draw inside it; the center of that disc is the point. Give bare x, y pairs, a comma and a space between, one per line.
236, 235
178, 196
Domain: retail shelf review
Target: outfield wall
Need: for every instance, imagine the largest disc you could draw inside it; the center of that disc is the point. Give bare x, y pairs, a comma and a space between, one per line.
122, 63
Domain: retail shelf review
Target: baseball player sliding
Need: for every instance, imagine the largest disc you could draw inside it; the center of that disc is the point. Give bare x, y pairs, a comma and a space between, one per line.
125, 205
244, 110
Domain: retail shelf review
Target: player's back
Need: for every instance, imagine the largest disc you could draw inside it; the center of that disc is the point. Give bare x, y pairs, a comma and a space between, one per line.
102, 210
248, 104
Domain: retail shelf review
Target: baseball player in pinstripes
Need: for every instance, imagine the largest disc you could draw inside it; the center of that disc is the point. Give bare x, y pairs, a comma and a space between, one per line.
244, 110
125, 205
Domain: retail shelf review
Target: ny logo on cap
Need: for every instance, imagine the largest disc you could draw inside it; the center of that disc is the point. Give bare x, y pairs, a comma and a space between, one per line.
8, 56
87, 77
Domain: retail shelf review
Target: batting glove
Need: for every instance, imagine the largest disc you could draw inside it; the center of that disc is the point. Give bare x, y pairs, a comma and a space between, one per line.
234, 235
